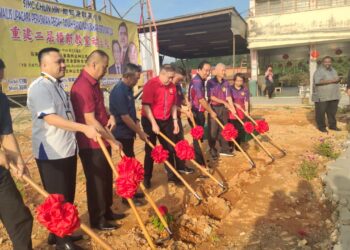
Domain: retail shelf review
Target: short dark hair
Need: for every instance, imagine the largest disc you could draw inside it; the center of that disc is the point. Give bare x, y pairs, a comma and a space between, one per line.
202, 63
99, 52
116, 42
180, 70
240, 75
45, 51
130, 69
327, 57
269, 66
123, 24
2, 64
167, 68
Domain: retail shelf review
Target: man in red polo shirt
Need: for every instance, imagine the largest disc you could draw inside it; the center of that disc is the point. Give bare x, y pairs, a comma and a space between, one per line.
159, 114
87, 100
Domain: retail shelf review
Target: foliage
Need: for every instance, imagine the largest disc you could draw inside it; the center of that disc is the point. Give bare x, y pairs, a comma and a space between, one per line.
326, 148
158, 224
308, 169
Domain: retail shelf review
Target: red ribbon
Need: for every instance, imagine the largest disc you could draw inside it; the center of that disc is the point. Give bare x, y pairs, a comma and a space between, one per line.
248, 127
131, 173
163, 210
197, 132
59, 217
262, 126
159, 154
229, 132
184, 150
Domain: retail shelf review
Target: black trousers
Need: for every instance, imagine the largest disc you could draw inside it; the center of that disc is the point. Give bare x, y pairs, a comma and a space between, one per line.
15, 216
269, 88
166, 127
328, 108
199, 119
215, 129
59, 177
128, 146
99, 184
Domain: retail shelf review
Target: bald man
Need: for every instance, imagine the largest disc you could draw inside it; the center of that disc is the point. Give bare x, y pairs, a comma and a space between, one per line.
88, 105
53, 133
220, 100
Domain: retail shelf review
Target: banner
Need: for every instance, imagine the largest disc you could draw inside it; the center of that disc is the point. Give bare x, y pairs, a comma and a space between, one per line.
27, 26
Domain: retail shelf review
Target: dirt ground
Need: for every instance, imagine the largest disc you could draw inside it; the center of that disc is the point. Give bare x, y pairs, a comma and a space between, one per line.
270, 207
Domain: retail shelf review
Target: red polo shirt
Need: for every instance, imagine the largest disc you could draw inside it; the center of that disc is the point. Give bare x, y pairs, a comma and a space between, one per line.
159, 97
87, 97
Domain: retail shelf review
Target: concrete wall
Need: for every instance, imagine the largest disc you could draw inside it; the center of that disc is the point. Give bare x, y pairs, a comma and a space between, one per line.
301, 28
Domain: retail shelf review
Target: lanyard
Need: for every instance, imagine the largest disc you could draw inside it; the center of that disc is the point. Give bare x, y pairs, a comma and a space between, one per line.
65, 104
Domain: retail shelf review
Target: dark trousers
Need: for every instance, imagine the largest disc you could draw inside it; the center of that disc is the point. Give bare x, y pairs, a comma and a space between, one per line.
199, 119
99, 184
58, 177
269, 88
215, 129
166, 127
128, 146
15, 216
328, 108
240, 129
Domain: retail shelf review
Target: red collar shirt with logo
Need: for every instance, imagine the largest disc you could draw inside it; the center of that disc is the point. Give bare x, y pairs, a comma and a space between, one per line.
160, 97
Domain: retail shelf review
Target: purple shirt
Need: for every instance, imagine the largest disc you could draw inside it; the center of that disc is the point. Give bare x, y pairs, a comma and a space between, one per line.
196, 92
239, 96
219, 90
179, 95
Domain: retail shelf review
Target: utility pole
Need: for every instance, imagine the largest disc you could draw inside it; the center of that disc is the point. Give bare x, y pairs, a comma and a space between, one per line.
150, 22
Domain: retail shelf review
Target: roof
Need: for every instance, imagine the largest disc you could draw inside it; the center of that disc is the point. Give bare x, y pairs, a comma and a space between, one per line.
205, 34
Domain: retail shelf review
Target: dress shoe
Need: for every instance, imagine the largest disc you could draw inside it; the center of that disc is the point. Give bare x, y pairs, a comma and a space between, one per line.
186, 170
51, 240
137, 202
335, 129
227, 153
113, 216
147, 183
104, 226
68, 246
323, 130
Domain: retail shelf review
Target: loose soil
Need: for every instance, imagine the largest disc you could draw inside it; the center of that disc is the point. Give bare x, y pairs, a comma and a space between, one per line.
269, 207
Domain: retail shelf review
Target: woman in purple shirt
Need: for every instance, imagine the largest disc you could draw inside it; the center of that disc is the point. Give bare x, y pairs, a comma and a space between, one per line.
240, 96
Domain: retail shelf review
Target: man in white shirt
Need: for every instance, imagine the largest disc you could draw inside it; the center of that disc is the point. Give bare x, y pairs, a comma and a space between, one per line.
53, 132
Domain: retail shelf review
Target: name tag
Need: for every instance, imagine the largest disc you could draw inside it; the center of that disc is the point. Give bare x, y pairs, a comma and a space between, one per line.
69, 116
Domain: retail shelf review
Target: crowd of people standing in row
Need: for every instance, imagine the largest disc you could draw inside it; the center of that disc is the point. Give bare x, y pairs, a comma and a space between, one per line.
65, 126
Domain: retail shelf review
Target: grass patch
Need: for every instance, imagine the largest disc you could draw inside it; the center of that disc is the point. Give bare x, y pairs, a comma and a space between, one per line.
326, 148
308, 170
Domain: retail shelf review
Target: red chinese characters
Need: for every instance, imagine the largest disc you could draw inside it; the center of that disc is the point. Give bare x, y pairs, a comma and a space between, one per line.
15, 34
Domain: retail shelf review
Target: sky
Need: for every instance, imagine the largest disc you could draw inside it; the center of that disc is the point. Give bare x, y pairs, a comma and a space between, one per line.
167, 8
